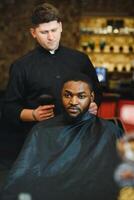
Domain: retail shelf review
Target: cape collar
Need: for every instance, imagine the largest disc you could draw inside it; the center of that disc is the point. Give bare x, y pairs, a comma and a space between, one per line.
84, 117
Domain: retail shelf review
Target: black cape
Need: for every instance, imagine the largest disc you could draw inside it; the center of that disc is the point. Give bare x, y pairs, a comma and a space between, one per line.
66, 161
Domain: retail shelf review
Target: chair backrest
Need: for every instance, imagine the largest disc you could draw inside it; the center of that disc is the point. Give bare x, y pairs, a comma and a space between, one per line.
119, 123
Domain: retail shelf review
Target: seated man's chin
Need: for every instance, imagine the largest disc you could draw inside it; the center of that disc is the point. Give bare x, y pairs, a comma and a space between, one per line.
73, 114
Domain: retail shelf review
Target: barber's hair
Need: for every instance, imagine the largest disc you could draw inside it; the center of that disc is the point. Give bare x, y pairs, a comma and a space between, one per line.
45, 13
78, 77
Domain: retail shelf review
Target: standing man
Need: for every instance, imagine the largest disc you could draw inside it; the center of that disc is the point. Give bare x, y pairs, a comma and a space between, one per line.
71, 156
41, 72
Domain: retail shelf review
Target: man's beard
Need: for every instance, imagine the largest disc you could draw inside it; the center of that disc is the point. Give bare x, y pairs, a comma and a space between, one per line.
73, 119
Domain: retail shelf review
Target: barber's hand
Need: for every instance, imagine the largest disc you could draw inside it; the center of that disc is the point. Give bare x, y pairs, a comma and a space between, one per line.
93, 108
43, 112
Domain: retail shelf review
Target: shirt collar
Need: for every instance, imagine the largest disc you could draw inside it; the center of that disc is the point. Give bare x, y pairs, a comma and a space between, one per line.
52, 52
47, 51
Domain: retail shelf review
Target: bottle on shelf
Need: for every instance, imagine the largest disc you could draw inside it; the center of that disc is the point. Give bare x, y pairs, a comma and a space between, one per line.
111, 48
84, 46
91, 45
102, 45
121, 49
132, 69
130, 49
115, 69
124, 69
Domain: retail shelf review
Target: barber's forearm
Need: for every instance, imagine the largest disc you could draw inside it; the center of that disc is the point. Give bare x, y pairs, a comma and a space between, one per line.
39, 114
27, 115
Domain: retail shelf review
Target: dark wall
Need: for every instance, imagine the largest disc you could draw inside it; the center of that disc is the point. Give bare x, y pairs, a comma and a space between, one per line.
108, 7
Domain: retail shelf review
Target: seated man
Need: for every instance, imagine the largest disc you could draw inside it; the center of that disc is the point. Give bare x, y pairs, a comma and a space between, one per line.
72, 156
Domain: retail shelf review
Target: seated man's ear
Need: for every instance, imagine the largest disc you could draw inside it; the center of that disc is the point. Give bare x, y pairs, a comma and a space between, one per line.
92, 96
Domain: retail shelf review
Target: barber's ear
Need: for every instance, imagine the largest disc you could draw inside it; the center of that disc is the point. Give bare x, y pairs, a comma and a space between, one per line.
92, 97
33, 33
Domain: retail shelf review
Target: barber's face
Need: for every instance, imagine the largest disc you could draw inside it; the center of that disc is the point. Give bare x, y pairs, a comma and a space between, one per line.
48, 34
76, 97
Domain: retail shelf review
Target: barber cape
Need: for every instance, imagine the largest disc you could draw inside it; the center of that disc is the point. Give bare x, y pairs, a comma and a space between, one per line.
64, 161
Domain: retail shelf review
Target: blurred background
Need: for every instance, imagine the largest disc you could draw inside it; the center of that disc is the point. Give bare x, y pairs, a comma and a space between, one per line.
103, 29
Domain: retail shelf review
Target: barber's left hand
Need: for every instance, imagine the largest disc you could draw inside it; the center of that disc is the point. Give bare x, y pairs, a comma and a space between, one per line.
93, 108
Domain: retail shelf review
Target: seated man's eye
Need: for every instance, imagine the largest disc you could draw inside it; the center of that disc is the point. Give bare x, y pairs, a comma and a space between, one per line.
81, 96
67, 95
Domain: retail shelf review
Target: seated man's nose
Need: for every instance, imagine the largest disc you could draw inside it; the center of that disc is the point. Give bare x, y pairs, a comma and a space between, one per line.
74, 101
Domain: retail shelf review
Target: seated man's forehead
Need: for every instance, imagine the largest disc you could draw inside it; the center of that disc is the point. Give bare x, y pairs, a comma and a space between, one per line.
76, 85
73, 82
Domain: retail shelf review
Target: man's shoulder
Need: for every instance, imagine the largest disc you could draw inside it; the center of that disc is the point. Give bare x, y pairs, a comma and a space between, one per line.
73, 51
26, 58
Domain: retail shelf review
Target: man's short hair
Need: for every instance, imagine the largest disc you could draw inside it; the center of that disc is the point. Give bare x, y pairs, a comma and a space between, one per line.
45, 13
78, 77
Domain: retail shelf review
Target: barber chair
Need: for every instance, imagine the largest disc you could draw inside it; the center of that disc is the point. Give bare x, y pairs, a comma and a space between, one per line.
118, 123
